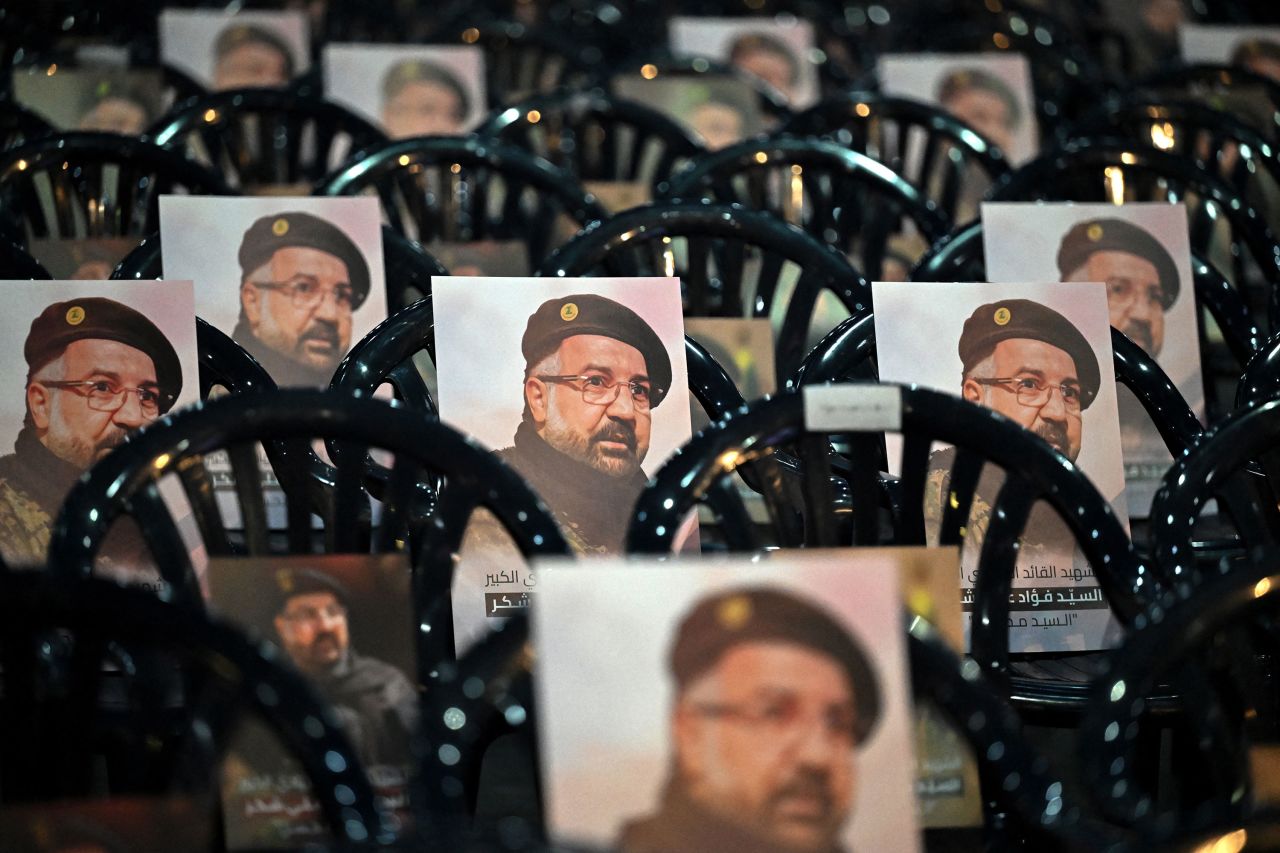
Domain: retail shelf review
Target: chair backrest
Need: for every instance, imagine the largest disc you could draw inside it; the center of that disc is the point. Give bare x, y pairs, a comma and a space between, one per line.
463, 189
285, 423
596, 137
1235, 463
1034, 471
19, 124
77, 185
1228, 87
959, 257
1217, 140
942, 157
260, 138
407, 266
520, 60
56, 638
841, 197
15, 263
1115, 170
732, 262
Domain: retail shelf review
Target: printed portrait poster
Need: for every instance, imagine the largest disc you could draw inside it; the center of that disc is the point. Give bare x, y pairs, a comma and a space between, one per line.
247, 49
113, 100
409, 90
1142, 253
543, 385
89, 363
1248, 46
732, 704
295, 281
135, 823
91, 259
719, 109
990, 92
1057, 604
776, 51
344, 621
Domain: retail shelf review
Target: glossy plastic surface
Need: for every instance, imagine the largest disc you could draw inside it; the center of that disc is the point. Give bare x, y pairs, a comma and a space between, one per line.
719, 240
264, 137
596, 137
841, 197
1035, 470
53, 688
287, 422
463, 189
102, 185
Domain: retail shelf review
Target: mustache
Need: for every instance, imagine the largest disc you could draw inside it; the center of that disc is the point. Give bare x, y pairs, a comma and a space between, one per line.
319, 330
621, 432
809, 785
1055, 433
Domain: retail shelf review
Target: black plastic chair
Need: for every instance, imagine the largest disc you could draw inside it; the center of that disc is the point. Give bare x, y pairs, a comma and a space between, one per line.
464, 189
752, 439
841, 197
717, 241
596, 137
1225, 87
259, 138
1118, 170
417, 512
1219, 644
945, 159
959, 257
1022, 795
408, 267
520, 60
1236, 464
1217, 140
15, 263
56, 637
78, 185
225, 364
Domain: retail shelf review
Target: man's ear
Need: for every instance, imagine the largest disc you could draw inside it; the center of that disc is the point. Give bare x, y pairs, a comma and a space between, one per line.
39, 401
971, 391
280, 627
251, 302
535, 394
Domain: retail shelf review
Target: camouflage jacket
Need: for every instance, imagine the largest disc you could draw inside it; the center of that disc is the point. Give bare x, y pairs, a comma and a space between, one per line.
33, 485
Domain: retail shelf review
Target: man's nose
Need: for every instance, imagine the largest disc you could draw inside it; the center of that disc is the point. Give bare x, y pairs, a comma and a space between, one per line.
817, 746
1142, 309
1054, 408
129, 415
623, 406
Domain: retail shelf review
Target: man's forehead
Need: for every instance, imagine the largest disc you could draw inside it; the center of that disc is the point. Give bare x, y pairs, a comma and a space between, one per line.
319, 598
308, 257
594, 348
106, 354
1034, 353
766, 665
1118, 259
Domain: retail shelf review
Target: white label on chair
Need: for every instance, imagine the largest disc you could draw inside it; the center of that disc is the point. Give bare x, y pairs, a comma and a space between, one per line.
852, 408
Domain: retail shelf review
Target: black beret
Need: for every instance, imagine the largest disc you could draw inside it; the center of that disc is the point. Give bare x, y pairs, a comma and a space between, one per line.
291, 582
1116, 235
588, 314
294, 228
97, 317
763, 614
1000, 321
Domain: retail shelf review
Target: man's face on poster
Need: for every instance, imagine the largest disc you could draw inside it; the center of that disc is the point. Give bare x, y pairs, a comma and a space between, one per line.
251, 64
1135, 297
612, 437
73, 427
765, 739
300, 304
115, 115
770, 66
984, 111
719, 124
313, 629
420, 108
1027, 364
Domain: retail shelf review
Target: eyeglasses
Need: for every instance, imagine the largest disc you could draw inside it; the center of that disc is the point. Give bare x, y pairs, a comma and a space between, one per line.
316, 614
307, 295
1125, 293
1033, 391
103, 395
596, 391
786, 717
